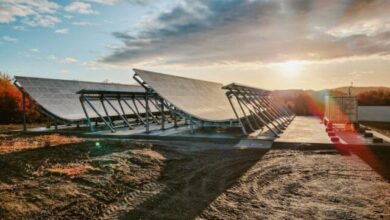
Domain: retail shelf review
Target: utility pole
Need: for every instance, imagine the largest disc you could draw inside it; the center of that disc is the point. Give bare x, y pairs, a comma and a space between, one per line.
349, 89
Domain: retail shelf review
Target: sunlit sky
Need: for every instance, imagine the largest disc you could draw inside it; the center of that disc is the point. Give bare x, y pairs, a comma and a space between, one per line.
273, 44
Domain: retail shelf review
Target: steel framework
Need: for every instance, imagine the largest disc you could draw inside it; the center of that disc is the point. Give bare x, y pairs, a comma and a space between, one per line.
255, 110
189, 119
131, 100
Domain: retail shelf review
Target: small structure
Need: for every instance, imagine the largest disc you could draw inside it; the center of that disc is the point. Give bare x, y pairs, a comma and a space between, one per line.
341, 109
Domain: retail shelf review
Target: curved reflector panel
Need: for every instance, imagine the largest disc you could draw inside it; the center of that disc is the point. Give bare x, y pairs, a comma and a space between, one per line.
59, 99
203, 100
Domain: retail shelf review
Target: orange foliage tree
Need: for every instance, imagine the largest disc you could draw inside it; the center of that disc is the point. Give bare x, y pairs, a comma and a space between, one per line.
11, 104
379, 97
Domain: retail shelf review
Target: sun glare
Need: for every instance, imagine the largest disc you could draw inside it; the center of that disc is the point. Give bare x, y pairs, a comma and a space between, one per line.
290, 68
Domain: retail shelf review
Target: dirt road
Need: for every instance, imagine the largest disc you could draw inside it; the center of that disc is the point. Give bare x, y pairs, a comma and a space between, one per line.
127, 180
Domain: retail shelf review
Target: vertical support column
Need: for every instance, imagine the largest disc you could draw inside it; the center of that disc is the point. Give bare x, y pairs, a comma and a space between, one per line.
191, 125
162, 114
48, 123
24, 111
147, 111
55, 124
86, 113
174, 120
150, 113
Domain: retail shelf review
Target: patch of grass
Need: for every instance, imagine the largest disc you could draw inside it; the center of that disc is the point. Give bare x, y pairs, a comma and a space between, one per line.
10, 144
71, 169
17, 127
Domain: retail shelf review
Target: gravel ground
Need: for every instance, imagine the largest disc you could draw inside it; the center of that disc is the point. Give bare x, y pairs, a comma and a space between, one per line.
94, 179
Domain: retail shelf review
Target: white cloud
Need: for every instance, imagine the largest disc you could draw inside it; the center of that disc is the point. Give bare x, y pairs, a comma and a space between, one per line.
64, 71
9, 39
41, 20
68, 16
34, 50
68, 60
106, 2
368, 27
113, 2
33, 11
235, 31
52, 57
19, 28
80, 8
82, 23
62, 31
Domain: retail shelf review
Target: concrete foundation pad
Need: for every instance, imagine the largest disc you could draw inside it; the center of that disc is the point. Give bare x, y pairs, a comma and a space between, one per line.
305, 130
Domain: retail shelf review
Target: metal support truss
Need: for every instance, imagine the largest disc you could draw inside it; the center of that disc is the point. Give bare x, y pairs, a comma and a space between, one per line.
176, 114
255, 110
123, 114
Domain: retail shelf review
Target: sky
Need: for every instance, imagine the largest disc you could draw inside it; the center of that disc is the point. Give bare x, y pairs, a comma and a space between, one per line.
272, 44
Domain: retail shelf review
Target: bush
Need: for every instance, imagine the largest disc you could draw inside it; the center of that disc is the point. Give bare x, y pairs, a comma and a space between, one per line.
379, 97
11, 103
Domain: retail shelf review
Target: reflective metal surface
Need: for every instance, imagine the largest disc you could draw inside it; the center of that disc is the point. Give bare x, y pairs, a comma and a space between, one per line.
59, 99
203, 100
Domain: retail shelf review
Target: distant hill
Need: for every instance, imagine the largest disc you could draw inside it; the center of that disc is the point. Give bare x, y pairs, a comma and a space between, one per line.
310, 102
358, 90
338, 91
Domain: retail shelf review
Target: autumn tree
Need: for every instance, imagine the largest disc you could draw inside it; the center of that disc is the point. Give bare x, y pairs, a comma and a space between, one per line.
11, 105
379, 97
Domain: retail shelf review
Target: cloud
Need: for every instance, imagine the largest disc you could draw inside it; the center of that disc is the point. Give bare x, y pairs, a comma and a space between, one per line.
68, 16
9, 39
82, 23
62, 31
80, 8
19, 28
113, 2
64, 71
106, 2
34, 50
68, 60
34, 12
41, 20
243, 31
52, 57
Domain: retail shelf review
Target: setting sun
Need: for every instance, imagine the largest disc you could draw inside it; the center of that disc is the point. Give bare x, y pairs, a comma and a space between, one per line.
290, 68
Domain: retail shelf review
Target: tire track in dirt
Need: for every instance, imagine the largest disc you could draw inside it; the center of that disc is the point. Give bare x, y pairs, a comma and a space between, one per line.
193, 182
131, 200
302, 184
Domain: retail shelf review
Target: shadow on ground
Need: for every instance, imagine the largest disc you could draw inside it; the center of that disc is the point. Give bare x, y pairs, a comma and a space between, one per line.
193, 180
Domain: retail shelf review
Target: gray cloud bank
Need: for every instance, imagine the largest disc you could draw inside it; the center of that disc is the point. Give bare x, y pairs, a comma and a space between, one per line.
217, 31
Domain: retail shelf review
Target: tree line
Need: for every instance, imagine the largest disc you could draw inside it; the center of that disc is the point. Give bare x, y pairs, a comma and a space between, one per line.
11, 103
